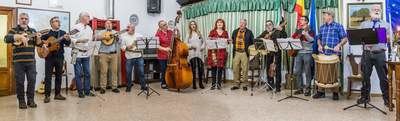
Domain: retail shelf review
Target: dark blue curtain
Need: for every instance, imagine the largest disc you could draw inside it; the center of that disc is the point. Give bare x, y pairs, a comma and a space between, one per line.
393, 13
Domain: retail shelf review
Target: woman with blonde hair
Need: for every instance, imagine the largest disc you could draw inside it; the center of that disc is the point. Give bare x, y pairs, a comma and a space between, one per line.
196, 46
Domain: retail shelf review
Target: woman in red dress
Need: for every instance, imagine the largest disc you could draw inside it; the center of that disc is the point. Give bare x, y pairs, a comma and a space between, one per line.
216, 58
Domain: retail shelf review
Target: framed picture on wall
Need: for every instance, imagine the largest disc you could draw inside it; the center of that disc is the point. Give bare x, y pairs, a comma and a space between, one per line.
23, 2
359, 12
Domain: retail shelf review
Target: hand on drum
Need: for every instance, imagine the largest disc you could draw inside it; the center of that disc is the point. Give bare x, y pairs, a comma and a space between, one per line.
320, 49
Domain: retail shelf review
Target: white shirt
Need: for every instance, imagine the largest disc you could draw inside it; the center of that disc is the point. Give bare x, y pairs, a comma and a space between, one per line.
85, 32
128, 40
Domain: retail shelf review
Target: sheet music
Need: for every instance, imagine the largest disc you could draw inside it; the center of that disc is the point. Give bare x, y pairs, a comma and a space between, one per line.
220, 43
284, 43
269, 44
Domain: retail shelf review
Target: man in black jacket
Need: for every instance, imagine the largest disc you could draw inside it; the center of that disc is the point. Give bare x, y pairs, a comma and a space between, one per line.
55, 60
272, 33
242, 38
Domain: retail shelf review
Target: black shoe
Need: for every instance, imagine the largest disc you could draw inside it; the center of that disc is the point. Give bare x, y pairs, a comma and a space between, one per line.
102, 91
307, 93
386, 103
219, 86
201, 84
335, 96
128, 89
22, 105
194, 86
115, 90
32, 104
297, 92
234, 88
90, 94
59, 97
278, 90
164, 86
144, 88
213, 87
81, 95
362, 100
319, 95
244, 88
46, 99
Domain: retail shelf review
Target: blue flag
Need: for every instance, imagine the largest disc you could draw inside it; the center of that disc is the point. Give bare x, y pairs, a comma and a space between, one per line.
313, 24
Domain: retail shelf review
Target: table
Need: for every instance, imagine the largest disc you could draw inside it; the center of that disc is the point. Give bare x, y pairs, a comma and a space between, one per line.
394, 66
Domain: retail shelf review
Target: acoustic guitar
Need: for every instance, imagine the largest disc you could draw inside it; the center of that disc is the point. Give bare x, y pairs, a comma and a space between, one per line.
41, 89
53, 45
19, 42
109, 37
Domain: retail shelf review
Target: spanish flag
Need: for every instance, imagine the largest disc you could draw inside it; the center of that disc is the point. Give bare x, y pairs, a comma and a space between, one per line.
300, 10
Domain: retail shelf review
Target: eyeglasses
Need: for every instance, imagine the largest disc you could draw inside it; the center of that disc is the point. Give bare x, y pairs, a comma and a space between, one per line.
24, 18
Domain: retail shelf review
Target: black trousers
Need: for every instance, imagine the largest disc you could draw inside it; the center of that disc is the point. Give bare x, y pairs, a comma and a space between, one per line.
197, 66
278, 76
216, 73
377, 59
50, 65
22, 69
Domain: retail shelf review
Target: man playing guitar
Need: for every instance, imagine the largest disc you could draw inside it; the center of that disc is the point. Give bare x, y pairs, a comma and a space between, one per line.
55, 60
24, 59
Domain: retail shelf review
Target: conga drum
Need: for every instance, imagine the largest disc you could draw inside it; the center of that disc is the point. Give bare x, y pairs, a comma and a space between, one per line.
326, 70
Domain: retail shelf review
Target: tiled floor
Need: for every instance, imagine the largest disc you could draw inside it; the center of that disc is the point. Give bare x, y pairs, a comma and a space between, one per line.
191, 105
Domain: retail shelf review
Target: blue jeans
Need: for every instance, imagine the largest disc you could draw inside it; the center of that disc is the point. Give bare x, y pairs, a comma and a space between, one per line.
139, 63
82, 64
303, 62
163, 64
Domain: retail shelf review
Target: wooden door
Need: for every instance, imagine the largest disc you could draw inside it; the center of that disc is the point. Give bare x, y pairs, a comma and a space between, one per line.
7, 83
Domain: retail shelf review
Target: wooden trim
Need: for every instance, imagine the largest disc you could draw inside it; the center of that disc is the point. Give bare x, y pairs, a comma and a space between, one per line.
11, 12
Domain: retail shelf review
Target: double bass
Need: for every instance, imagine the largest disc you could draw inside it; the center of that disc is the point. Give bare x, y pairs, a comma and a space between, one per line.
178, 74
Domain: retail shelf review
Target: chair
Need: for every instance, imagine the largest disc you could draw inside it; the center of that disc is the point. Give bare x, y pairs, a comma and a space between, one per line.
255, 65
356, 75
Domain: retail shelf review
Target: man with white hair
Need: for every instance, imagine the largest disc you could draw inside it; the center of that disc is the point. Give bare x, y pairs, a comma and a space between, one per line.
242, 38
133, 56
82, 45
374, 55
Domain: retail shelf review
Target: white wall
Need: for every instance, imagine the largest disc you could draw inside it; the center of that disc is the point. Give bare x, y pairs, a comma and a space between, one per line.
147, 22
97, 8
375, 88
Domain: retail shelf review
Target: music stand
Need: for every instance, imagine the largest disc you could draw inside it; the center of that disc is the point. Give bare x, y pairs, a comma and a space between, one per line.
216, 44
266, 45
290, 44
144, 46
362, 37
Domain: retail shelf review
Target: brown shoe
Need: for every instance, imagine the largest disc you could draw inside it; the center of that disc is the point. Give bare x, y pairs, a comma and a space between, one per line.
59, 97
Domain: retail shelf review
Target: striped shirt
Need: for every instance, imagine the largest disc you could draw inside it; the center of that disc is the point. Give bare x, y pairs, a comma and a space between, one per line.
22, 53
331, 35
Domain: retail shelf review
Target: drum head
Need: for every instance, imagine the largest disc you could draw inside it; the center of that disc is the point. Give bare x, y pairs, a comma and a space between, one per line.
321, 58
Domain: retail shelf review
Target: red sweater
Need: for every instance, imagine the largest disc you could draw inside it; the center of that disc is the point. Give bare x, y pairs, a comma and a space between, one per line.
221, 53
165, 41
